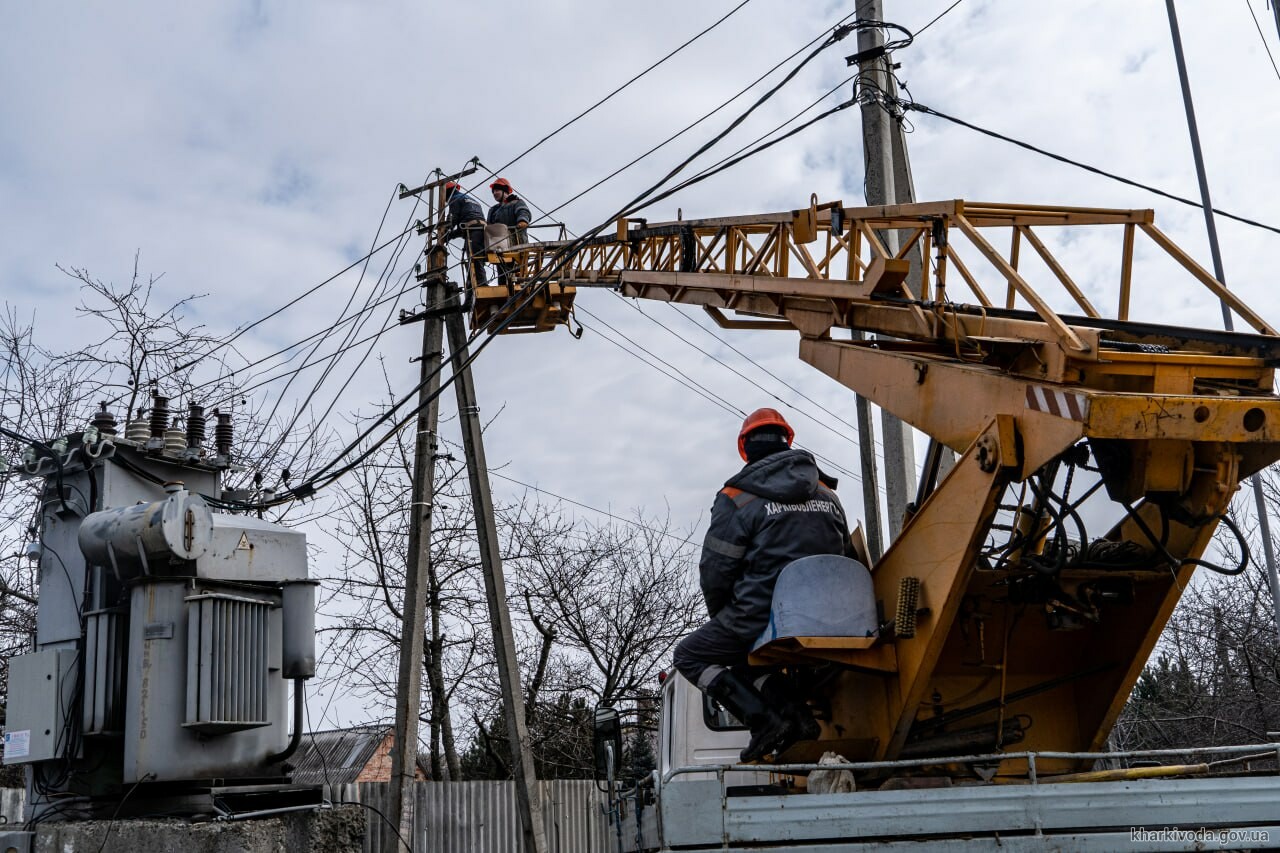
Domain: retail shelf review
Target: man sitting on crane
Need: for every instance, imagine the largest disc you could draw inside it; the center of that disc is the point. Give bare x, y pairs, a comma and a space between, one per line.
775, 510
466, 219
509, 210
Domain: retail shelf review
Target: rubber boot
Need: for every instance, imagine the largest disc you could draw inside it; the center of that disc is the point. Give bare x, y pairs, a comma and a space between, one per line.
770, 731
780, 693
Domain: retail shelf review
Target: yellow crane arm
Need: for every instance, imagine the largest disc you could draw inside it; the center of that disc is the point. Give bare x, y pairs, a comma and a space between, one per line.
1016, 619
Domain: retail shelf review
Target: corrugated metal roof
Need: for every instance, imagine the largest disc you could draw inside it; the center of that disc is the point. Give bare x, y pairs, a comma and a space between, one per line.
336, 756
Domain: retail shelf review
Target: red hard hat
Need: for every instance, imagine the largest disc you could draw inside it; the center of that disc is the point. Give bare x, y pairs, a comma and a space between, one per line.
760, 418
503, 183
451, 186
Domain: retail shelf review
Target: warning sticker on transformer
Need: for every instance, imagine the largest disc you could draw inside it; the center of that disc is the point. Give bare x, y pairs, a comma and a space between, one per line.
17, 744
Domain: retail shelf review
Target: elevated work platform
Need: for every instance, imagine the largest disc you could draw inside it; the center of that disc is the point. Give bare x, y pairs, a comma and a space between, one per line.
1020, 613
548, 307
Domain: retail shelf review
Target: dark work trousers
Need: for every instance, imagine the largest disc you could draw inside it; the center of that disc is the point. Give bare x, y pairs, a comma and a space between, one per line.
507, 272
709, 651
475, 248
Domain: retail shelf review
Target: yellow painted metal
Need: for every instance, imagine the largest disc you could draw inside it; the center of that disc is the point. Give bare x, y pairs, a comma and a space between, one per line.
1172, 417
940, 549
551, 307
766, 245
1206, 278
1061, 273
949, 401
1069, 339
1127, 773
1126, 273
860, 653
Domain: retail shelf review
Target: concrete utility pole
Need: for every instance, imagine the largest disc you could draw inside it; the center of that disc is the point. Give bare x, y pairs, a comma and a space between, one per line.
527, 795
870, 475
1264, 521
404, 758
888, 181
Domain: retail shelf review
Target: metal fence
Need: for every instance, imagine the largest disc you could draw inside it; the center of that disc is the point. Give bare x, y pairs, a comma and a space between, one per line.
481, 817
459, 817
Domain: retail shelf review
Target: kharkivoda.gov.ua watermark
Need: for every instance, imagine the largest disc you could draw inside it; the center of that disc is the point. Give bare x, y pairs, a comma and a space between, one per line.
1175, 835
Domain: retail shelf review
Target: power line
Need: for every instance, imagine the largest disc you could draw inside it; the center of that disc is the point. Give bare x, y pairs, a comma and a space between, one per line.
533, 288
530, 291
676, 374
313, 289
731, 161
241, 331
238, 392
694, 124
385, 280
643, 200
605, 513
616, 91
761, 367
939, 18
699, 388
921, 108
275, 446
393, 297
724, 104
742, 375
690, 41
557, 262
1248, 5
785, 384
607, 97
323, 332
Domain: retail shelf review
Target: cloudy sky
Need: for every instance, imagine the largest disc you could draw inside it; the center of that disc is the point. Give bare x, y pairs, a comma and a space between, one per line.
249, 149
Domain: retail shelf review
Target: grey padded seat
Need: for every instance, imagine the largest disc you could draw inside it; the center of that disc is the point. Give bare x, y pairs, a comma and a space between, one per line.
822, 596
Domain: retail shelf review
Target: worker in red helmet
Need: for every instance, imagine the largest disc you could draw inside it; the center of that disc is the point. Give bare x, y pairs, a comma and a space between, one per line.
775, 510
509, 210
466, 220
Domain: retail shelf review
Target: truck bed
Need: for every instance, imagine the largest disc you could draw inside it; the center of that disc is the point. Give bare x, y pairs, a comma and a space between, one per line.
1214, 813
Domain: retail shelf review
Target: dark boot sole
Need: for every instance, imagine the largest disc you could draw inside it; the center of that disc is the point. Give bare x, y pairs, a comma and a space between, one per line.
775, 741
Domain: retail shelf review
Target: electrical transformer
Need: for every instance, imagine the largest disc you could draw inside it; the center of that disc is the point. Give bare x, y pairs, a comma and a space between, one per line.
170, 630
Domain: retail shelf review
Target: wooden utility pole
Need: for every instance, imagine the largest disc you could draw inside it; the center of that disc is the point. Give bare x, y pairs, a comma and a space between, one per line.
888, 181
404, 757
495, 588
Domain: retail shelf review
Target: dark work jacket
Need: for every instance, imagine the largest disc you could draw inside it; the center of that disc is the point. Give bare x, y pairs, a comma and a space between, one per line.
509, 213
463, 208
771, 512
